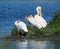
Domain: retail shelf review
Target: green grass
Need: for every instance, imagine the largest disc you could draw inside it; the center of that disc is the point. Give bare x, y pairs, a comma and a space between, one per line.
52, 29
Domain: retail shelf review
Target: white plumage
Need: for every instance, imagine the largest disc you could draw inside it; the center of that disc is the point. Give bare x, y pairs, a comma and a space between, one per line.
39, 17
33, 21
21, 26
41, 21
37, 20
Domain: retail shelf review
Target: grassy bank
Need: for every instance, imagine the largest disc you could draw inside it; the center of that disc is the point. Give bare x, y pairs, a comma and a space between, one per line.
52, 29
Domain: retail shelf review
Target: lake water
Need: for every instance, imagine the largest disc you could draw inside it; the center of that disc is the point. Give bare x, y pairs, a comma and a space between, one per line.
29, 44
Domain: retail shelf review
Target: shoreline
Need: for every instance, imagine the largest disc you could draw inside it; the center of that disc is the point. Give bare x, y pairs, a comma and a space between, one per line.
14, 38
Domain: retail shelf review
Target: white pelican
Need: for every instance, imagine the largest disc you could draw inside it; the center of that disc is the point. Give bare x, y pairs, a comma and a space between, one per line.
37, 20
21, 26
33, 21
39, 17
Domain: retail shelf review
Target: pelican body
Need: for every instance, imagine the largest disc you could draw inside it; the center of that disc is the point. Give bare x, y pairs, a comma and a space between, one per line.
37, 20
33, 21
21, 26
41, 21
39, 17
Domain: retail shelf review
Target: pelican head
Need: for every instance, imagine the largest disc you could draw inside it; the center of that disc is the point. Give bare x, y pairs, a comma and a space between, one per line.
38, 9
18, 21
27, 17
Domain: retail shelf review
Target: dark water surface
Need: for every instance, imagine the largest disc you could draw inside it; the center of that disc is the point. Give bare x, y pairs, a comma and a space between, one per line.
11, 11
29, 44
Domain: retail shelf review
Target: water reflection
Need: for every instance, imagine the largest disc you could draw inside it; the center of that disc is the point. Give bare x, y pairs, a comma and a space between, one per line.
29, 44
26, 44
22, 44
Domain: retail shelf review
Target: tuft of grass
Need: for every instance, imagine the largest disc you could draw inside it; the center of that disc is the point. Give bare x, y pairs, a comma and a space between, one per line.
14, 31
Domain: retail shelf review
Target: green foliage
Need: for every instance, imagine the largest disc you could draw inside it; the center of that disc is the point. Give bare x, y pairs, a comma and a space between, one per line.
14, 31
52, 29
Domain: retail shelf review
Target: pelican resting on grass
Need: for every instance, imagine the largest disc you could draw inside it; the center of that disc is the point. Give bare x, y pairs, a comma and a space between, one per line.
37, 20
33, 21
21, 26
39, 17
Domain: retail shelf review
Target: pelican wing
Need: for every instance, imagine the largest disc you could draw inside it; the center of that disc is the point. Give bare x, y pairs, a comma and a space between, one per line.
34, 22
23, 26
41, 20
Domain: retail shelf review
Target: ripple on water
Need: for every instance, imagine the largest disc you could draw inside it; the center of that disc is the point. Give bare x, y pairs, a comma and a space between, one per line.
29, 44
